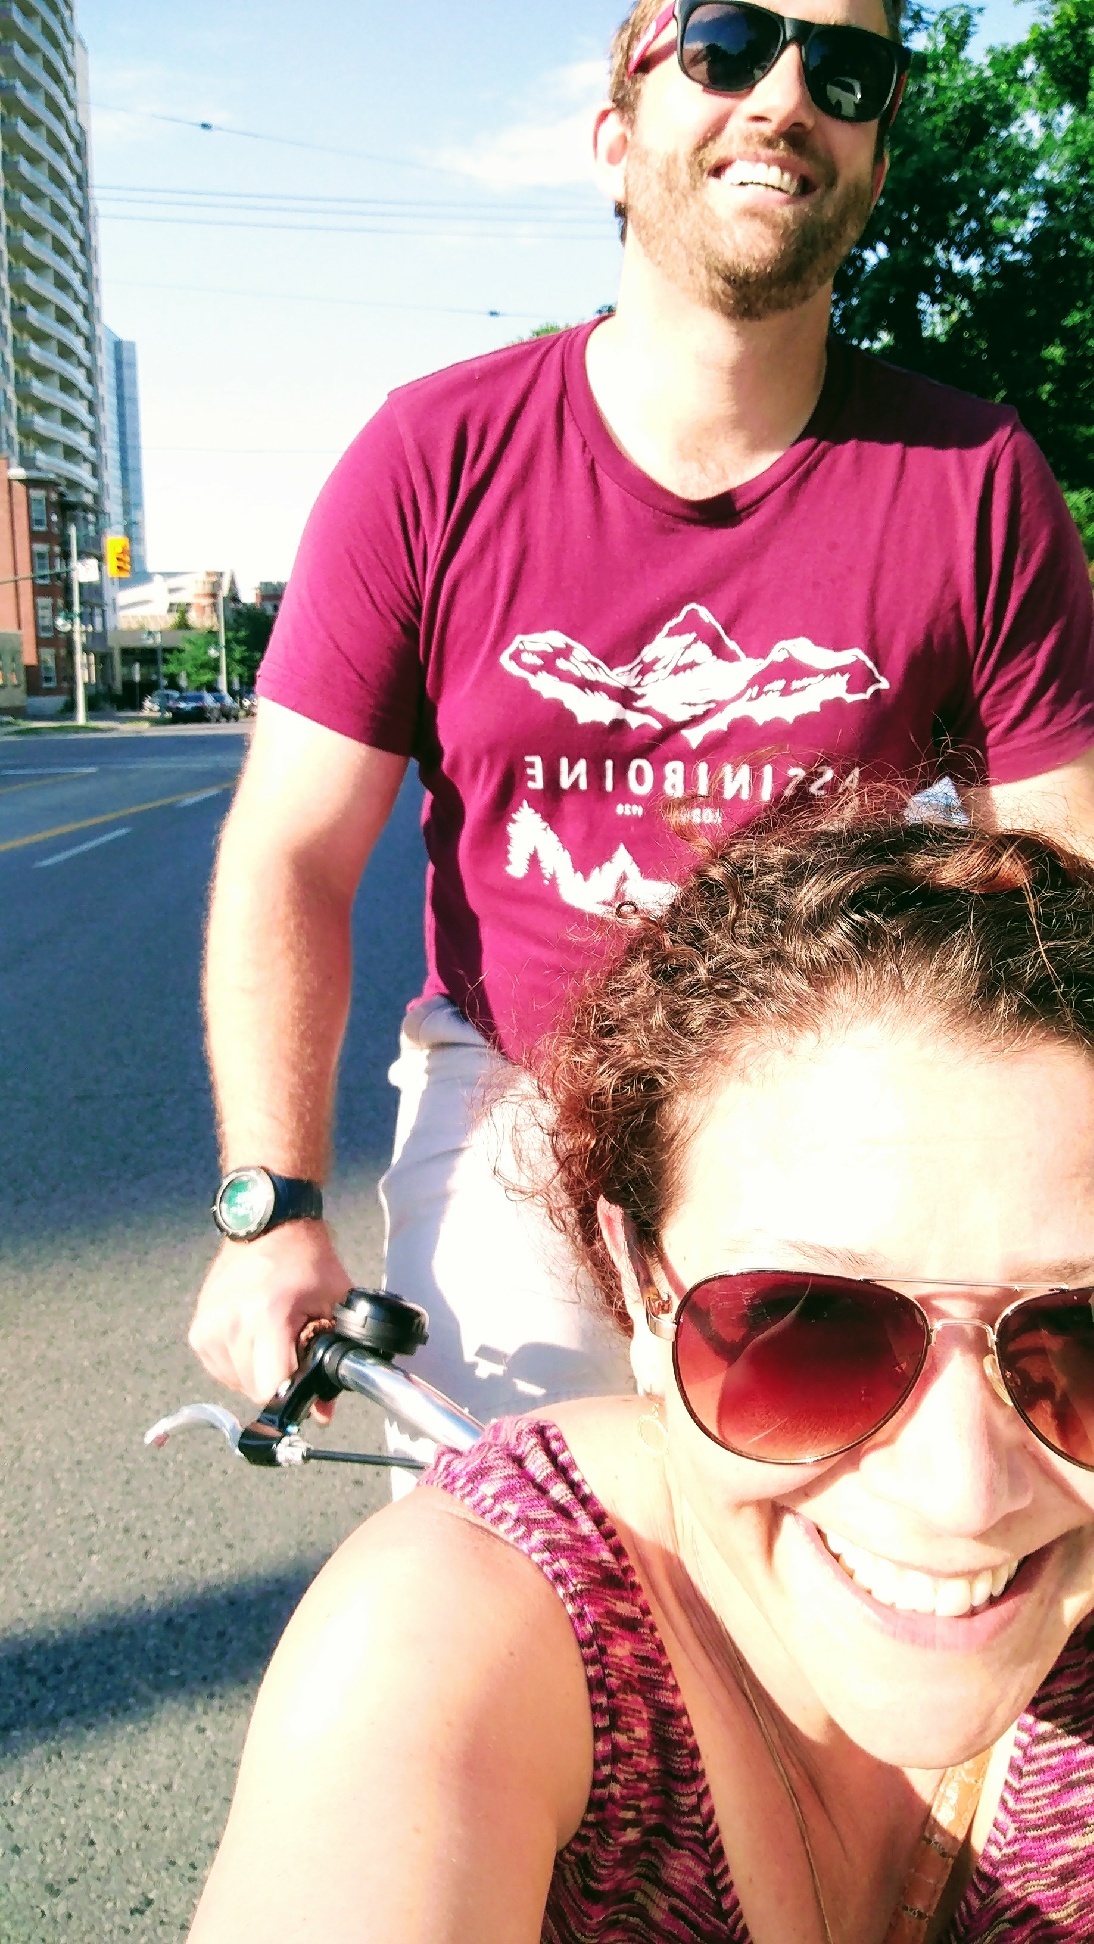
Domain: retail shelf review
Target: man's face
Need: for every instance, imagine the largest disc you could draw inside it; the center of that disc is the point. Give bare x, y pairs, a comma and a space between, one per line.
749, 202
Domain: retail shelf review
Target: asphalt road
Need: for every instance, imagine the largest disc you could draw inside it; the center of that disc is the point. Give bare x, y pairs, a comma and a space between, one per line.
140, 1593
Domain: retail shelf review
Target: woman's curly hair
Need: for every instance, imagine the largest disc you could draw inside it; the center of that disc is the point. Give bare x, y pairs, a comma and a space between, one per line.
787, 929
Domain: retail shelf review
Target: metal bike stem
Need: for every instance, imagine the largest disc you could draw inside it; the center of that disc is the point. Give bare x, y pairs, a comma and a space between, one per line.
416, 1404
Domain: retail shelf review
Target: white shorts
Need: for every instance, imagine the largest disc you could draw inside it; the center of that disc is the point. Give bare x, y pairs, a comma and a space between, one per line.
514, 1320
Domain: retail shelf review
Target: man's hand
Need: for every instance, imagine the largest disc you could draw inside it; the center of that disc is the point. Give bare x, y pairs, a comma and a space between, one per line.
257, 1298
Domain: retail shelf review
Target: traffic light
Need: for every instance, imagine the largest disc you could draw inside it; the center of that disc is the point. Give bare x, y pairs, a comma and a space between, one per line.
119, 557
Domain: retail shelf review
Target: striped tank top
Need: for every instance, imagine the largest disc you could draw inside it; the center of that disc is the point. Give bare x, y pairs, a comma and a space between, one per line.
647, 1865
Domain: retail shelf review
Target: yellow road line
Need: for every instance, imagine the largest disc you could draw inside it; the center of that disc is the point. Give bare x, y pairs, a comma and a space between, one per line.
41, 782
109, 816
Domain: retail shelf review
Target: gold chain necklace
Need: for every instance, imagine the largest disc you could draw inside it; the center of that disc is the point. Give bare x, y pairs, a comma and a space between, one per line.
780, 1768
945, 1828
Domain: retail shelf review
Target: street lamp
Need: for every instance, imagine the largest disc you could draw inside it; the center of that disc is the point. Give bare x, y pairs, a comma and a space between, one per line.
223, 683
77, 628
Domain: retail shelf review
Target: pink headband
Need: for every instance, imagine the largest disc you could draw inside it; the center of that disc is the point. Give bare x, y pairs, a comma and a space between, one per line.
652, 34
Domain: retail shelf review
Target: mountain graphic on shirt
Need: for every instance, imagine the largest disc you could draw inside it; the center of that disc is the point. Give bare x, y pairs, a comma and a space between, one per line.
693, 677
531, 838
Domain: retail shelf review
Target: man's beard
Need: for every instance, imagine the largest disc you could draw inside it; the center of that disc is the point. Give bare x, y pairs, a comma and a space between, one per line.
679, 231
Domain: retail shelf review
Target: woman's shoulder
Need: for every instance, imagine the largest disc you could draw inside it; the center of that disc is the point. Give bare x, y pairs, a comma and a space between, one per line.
428, 1691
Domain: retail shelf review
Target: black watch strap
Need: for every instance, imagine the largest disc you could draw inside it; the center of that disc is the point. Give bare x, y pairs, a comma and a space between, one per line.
294, 1201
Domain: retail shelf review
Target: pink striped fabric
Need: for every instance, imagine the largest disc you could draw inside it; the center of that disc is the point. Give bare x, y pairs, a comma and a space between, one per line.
647, 1865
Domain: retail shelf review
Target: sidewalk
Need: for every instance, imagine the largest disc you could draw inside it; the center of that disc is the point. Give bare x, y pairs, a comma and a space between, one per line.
128, 724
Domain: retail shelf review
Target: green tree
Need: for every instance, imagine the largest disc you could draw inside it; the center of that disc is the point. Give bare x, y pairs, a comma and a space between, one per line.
246, 634
196, 657
978, 264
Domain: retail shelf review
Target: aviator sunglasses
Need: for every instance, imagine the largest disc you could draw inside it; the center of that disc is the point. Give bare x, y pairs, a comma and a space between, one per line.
791, 1368
729, 45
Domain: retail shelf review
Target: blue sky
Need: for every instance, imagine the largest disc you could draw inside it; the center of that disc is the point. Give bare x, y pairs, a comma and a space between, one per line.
263, 347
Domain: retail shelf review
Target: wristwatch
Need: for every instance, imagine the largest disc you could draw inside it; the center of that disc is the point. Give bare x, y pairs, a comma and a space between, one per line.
252, 1201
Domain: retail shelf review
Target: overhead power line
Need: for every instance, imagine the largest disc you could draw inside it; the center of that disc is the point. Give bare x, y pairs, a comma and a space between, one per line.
348, 215
321, 297
260, 199
281, 141
465, 234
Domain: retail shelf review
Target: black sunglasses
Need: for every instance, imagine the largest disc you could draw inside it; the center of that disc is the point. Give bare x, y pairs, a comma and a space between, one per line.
791, 1368
729, 45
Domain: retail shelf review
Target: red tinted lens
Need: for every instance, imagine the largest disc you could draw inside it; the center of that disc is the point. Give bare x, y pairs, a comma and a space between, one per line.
791, 1369
1046, 1354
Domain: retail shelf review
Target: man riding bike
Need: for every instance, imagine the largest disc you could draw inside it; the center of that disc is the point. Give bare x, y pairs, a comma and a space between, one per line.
697, 551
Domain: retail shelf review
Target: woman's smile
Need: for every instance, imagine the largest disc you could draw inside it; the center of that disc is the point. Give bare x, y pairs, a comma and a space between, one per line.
912, 1590
946, 1613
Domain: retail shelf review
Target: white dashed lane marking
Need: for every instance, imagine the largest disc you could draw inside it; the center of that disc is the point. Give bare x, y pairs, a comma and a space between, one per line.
78, 850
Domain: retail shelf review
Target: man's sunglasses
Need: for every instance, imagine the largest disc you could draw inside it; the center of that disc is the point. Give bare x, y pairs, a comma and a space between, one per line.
729, 45
791, 1368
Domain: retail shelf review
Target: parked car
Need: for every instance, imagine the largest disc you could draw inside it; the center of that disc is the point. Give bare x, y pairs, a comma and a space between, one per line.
227, 704
160, 704
194, 705
248, 702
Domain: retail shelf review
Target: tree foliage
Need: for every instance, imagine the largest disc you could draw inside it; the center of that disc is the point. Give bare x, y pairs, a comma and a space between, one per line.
978, 264
246, 634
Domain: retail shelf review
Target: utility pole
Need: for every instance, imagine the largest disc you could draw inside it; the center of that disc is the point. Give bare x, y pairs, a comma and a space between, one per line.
77, 628
223, 683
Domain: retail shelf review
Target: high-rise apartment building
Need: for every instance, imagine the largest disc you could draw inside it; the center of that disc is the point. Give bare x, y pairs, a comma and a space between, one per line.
50, 359
51, 355
124, 474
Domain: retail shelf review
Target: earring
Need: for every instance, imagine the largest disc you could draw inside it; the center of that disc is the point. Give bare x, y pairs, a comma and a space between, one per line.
652, 1432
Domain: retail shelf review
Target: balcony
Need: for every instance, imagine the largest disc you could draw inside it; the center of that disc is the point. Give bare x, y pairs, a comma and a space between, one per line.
57, 88
21, 273
38, 113
58, 51
55, 455
21, 165
23, 241
52, 395
37, 358
64, 230
22, 133
43, 99
50, 327
52, 429
60, 468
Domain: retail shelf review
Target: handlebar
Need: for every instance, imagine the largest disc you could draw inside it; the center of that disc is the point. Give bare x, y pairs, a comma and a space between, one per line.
355, 1352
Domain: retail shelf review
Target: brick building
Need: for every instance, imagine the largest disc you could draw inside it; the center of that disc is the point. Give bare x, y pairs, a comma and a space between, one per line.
35, 594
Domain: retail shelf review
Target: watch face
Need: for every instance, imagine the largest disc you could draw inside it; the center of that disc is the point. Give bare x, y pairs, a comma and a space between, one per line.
245, 1203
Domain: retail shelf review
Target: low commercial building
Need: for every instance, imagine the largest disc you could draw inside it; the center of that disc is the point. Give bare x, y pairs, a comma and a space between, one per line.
155, 602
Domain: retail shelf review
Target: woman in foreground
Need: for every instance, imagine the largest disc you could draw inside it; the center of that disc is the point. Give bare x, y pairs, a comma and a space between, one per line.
791, 1648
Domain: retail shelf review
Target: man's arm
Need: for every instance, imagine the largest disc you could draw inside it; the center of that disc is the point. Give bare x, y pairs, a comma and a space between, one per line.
1060, 803
308, 811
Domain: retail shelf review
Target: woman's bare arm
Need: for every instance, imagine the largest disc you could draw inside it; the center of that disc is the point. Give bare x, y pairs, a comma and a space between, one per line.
420, 1751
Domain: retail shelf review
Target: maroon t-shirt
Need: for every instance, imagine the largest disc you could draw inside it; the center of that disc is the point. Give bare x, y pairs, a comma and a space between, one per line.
488, 585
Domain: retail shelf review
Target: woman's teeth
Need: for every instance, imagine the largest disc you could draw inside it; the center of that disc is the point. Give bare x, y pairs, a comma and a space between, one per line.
913, 1592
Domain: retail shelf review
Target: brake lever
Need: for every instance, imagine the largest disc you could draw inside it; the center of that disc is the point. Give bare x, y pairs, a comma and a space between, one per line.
193, 1417
273, 1438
